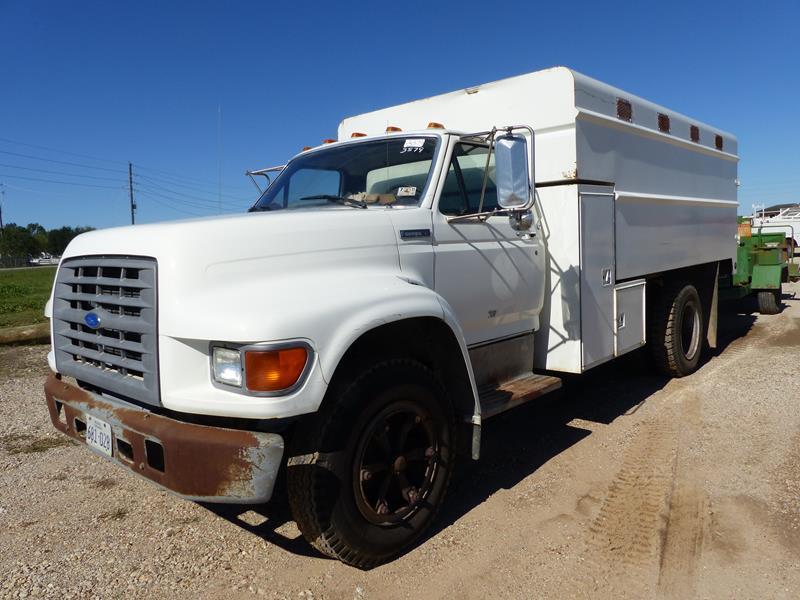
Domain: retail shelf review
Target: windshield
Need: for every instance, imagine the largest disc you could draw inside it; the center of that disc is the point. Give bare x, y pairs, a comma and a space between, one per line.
384, 172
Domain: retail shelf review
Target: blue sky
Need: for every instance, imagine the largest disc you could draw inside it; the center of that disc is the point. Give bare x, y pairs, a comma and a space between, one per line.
96, 84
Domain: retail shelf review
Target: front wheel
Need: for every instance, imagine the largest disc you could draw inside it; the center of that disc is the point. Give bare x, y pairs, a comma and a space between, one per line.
367, 476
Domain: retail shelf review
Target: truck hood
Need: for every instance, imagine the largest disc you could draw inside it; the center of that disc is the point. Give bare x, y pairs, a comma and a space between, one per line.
267, 262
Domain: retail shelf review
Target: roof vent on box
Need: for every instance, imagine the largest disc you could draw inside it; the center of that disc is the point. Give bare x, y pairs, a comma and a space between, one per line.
624, 110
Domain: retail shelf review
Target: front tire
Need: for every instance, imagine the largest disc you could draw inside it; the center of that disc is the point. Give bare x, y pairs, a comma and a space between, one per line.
677, 330
366, 477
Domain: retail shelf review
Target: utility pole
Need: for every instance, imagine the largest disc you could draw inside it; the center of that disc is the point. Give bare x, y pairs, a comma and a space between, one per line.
2, 199
130, 189
219, 157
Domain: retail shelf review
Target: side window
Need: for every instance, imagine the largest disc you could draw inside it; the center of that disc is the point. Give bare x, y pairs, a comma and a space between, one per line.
461, 193
307, 182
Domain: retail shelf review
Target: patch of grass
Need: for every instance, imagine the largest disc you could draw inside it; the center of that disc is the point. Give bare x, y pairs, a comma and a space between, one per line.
23, 294
25, 443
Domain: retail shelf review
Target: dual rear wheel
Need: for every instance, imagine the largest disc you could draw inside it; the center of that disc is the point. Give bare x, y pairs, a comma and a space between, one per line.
677, 327
677, 330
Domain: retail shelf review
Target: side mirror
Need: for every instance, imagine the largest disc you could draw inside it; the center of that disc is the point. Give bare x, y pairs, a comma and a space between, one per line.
512, 175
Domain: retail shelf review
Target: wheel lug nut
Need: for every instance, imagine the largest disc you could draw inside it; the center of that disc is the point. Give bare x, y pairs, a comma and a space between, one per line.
429, 452
366, 475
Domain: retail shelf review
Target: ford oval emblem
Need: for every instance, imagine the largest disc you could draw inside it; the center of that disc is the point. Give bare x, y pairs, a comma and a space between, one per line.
92, 320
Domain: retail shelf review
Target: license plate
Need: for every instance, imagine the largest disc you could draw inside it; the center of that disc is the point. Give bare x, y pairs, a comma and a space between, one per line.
98, 434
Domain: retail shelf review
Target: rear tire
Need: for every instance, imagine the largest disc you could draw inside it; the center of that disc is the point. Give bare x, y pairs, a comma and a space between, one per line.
677, 330
769, 302
366, 477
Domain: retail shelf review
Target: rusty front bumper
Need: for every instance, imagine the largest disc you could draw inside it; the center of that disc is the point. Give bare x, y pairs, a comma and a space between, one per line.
197, 462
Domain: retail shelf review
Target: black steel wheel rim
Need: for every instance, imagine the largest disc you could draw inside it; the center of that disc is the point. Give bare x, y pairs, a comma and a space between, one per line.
396, 463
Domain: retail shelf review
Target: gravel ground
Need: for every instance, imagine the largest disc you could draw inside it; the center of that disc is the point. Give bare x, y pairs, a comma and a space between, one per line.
623, 485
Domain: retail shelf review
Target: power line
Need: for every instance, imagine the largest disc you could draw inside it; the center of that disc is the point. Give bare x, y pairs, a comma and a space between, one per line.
195, 188
175, 175
32, 191
187, 178
158, 183
149, 181
61, 162
106, 160
105, 187
160, 188
162, 203
59, 172
174, 178
198, 204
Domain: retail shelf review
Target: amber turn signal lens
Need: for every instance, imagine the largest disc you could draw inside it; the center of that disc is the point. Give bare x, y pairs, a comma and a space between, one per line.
392, 129
357, 134
435, 125
274, 370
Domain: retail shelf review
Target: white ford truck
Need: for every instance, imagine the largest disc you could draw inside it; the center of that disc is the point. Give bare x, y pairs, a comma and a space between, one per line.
440, 263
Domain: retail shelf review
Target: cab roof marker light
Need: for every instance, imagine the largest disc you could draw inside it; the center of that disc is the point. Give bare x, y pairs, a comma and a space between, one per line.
392, 129
357, 134
305, 148
435, 125
328, 141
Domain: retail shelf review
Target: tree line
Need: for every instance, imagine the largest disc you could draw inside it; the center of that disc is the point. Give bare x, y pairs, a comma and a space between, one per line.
33, 240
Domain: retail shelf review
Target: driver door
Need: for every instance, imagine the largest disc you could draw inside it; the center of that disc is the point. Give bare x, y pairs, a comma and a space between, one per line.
491, 277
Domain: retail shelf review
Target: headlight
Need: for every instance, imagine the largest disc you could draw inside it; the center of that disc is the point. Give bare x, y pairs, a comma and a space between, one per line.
268, 369
227, 366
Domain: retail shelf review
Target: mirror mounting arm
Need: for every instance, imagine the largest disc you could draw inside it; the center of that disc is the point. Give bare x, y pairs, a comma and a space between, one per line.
480, 216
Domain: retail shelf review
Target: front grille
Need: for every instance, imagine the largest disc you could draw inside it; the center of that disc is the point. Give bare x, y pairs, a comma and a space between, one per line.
104, 325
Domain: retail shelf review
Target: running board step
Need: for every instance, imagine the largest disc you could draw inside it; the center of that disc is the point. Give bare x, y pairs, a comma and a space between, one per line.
496, 400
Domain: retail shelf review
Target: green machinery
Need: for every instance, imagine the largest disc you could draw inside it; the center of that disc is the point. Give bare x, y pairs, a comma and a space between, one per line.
764, 260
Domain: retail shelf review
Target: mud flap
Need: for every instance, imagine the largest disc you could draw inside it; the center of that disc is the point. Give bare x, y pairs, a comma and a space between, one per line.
711, 335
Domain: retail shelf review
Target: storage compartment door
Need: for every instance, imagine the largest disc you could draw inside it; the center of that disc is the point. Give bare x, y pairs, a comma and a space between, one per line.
597, 278
630, 326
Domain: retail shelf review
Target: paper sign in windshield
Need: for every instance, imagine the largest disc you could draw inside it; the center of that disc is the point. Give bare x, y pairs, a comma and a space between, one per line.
406, 191
417, 143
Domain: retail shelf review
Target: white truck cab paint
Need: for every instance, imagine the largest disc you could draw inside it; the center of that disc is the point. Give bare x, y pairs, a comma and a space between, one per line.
390, 291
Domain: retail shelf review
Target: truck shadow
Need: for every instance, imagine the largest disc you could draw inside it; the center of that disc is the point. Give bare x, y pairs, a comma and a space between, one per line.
517, 443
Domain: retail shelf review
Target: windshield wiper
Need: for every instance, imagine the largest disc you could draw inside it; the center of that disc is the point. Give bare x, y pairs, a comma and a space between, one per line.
257, 208
338, 199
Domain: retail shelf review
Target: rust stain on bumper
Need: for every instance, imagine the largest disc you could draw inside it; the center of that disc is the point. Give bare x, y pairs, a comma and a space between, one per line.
197, 462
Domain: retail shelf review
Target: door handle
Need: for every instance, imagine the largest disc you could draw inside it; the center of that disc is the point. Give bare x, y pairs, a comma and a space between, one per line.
606, 277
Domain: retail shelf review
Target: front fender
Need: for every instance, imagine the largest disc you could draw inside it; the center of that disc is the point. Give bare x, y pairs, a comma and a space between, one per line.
395, 301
